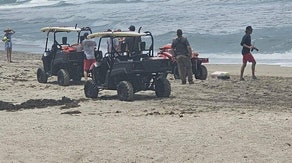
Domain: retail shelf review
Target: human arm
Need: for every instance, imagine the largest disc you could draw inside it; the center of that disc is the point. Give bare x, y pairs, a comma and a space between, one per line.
189, 51
251, 47
246, 43
189, 48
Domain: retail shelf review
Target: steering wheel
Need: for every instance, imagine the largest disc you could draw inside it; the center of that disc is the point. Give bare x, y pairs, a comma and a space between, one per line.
107, 54
57, 45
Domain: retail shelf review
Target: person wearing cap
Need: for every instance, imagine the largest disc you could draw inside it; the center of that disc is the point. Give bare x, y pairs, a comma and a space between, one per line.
183, 52
8, 43
132, 43
247, 47
88, 46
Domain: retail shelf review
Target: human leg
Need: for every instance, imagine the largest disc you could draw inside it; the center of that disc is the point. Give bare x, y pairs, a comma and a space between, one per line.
242, 70
85, 75
249, 57
181, 68
245, 58
189, 71
86, 66
9, 51
7, 55
253, 70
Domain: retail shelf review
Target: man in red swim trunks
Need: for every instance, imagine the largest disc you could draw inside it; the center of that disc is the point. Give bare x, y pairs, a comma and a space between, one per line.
88, 46
247, 47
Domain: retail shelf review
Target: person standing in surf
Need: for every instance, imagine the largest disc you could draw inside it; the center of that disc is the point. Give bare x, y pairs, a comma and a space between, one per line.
8, 43
247, 47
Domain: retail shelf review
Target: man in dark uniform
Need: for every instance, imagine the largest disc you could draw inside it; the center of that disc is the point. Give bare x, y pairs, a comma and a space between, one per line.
183, 52
246, 55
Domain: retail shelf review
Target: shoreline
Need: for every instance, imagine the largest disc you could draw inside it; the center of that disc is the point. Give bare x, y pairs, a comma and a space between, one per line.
238, 60
233, 69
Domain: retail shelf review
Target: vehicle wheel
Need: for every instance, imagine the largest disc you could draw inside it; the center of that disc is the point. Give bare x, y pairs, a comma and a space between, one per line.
90, 89
125, 91
63, 77
95, 75
202, 75
176, 73
162, 87
42, 76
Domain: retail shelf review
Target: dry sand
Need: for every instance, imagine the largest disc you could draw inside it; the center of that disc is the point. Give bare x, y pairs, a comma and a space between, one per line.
211, 121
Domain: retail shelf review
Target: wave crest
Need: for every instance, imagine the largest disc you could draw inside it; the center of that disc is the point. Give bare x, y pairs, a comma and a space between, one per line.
17, 4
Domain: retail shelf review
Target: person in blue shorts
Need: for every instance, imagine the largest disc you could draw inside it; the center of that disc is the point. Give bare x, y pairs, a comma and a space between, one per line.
8, 42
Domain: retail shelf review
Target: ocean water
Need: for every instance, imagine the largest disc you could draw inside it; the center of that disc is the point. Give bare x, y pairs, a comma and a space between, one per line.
213, 28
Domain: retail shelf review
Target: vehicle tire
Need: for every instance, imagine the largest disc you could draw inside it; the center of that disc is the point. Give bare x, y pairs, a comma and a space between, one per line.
202, 75
176, 73
162, 87
42, 76
95, 75
90, 89
63, 77
125, 91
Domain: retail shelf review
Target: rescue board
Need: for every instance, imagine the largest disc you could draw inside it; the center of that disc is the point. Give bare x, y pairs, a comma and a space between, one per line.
115, 34
220, 75
60, 29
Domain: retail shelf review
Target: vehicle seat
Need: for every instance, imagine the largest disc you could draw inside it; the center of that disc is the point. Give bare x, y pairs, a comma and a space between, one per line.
64, 41
98, 55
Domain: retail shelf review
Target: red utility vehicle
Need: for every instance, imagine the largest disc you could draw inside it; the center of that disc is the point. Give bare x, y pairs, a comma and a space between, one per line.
199, 70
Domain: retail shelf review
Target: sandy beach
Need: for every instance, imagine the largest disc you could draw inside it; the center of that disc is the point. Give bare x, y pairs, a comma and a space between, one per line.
210, 121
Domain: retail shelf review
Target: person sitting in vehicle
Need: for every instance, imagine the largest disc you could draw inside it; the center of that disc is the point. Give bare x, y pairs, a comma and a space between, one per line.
132, 43
118, 42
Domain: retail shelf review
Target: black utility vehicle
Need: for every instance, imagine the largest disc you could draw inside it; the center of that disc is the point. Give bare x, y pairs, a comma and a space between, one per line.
128, 71
62, 58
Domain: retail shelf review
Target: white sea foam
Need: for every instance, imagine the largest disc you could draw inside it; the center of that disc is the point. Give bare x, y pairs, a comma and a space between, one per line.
32, 3
214, 28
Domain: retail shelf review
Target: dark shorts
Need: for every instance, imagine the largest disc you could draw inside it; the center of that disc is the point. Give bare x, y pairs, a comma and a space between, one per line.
88, 64
247, 58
